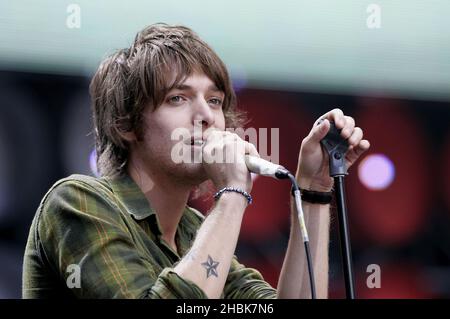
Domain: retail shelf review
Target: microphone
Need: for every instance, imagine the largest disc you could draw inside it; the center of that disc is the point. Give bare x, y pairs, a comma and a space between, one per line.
260, 166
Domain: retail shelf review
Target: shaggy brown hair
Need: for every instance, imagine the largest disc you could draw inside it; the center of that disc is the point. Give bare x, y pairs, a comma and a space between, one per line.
138, 77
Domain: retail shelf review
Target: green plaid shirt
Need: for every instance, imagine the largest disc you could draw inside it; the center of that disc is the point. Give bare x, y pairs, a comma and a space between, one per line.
107, 230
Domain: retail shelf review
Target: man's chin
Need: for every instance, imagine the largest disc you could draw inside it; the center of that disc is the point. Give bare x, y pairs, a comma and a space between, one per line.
193, 174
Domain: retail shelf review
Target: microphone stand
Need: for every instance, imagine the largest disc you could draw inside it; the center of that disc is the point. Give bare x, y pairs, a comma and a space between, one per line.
336, 148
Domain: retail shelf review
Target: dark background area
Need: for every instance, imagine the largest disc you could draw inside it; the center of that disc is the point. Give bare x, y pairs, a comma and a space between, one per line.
404, 228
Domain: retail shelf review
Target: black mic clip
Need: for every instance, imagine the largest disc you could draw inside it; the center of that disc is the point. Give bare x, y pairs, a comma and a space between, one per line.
336, 147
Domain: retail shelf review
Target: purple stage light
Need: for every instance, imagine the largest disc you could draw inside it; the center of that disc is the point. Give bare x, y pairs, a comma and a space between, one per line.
376, 172
93, 163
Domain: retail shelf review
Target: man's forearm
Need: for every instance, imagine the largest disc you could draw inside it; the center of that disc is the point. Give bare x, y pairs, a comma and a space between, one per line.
208, 262
294, 278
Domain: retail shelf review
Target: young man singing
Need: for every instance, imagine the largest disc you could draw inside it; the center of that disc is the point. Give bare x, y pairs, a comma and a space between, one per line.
130, 233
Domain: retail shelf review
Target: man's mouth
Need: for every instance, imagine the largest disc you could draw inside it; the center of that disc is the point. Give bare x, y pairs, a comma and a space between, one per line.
196, 142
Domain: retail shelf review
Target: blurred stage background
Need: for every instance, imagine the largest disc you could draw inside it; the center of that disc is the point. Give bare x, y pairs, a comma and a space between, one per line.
291, 61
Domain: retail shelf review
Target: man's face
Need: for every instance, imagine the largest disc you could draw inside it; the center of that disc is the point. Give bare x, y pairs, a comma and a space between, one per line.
196, 101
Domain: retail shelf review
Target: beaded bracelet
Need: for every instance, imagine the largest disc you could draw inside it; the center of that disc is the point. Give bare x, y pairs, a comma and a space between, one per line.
234, 189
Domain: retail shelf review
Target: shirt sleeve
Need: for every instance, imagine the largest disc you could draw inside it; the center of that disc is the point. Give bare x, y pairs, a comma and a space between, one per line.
247, 283
82, 228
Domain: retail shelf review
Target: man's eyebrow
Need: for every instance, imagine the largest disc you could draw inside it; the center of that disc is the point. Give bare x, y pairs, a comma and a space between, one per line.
184, 87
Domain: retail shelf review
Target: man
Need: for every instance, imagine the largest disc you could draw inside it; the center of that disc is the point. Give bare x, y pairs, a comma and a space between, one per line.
130, 233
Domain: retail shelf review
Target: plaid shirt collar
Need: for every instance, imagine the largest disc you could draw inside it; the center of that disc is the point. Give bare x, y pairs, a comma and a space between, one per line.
137, 205
131, 196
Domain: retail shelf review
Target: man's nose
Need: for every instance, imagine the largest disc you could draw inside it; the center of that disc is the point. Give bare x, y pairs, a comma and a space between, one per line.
203, 113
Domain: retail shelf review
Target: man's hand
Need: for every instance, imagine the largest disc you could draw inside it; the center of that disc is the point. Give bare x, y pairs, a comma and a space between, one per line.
224, 159
312, 170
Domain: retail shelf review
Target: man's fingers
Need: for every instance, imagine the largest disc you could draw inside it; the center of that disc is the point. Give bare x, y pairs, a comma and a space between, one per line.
337, 116
242, 147
344, 123
213, 134
250, 149
319, 131
348, 128
363, 146
356, 151
356, 136
233, 146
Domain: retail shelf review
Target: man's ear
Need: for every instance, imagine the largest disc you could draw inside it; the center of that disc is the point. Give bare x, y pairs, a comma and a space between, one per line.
129, 136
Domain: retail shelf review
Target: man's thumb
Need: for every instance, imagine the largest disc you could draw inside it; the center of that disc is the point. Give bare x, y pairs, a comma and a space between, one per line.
320, 131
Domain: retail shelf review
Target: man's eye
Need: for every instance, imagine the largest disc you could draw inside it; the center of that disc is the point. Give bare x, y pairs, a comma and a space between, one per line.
215, 101
176, 99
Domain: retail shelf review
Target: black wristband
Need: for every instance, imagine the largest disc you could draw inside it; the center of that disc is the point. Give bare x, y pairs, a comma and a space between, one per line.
314, 197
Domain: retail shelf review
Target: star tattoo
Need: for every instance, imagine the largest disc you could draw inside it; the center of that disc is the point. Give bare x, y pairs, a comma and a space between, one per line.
211, 267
